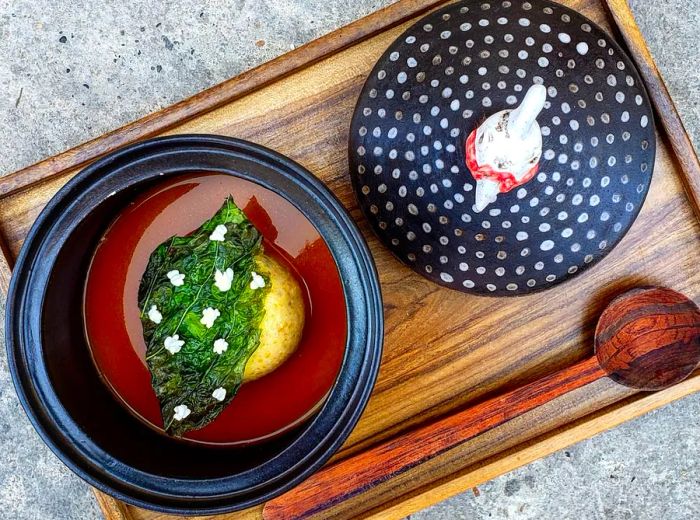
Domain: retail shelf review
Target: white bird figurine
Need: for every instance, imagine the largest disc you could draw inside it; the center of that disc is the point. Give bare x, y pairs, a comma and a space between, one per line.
505, 150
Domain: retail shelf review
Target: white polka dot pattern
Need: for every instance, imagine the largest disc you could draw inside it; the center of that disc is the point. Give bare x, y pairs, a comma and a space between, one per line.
445, 75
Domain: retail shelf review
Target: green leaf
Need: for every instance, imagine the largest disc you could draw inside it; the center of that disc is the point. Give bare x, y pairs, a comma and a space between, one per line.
189, 377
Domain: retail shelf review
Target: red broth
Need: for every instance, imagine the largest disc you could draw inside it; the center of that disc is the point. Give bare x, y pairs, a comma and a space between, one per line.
262, 408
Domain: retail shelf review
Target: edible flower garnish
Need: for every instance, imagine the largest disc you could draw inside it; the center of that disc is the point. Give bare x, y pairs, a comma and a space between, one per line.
223, 280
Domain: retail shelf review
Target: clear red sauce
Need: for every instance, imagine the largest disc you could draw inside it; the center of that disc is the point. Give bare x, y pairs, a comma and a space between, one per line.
262, 408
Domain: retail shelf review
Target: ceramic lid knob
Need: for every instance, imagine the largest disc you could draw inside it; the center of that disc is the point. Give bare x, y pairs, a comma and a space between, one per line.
505, 150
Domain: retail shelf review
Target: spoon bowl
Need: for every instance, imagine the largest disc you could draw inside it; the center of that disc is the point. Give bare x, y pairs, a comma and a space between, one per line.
649, 338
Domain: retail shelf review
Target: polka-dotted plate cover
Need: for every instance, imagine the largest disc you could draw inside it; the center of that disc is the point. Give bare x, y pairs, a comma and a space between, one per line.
443, 77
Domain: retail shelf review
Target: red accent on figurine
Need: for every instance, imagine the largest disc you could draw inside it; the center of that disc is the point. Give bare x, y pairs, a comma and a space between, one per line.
506, 180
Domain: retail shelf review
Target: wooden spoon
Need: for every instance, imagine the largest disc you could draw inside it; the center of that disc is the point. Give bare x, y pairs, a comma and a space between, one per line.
647, 338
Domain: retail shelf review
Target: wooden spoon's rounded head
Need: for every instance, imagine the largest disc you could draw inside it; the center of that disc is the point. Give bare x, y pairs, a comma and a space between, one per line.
649, 338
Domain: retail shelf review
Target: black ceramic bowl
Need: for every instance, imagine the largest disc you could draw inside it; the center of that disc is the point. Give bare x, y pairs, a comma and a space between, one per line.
76, 414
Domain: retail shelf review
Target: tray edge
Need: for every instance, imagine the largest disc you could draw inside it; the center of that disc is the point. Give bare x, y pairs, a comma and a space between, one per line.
666, 110
313, 52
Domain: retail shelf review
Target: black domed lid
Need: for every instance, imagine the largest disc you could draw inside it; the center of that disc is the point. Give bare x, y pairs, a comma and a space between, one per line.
443, 77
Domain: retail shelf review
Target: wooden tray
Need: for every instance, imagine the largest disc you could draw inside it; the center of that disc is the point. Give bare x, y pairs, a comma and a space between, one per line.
443, 349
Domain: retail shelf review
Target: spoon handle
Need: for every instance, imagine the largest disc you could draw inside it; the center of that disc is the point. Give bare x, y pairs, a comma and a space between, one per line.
352, 476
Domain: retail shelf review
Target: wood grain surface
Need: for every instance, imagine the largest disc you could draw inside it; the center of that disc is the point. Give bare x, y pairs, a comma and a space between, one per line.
112, 508
443, 350
6, 262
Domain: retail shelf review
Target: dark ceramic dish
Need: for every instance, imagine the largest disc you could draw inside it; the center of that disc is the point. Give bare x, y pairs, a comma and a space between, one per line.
76, 414
444, 76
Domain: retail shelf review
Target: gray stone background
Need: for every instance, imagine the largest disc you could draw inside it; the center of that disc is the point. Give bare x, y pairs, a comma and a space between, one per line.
70, 71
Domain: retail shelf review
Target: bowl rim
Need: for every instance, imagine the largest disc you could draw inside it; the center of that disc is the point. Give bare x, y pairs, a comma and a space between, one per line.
317, 440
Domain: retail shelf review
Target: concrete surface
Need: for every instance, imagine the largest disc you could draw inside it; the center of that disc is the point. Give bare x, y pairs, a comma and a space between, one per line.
70, 71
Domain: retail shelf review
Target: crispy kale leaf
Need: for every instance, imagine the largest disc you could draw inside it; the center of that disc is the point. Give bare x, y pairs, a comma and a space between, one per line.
198, 336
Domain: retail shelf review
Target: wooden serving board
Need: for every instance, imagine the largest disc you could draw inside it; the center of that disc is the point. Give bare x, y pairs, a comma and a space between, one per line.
443, 350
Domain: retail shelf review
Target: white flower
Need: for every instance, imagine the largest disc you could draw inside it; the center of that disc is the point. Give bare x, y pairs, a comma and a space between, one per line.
258, 282
223, 280
209, 315
219, 233
219, 394
220, 346
181, 411
173, 344
154, 315
176, 278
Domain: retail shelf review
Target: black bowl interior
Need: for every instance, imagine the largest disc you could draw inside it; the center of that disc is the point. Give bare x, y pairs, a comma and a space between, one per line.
78, 416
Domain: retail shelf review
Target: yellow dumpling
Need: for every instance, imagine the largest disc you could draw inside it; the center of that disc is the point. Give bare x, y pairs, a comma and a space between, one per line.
283, 323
